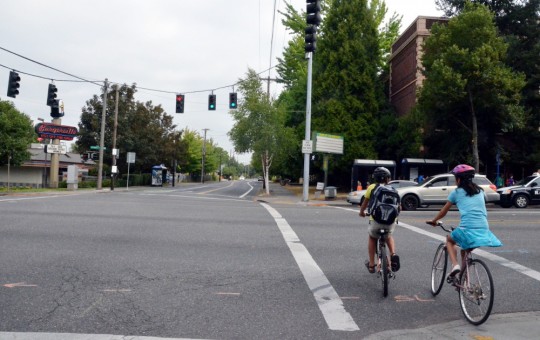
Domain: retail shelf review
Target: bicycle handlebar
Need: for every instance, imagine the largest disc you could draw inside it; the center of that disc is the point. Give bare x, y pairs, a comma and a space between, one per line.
440, 224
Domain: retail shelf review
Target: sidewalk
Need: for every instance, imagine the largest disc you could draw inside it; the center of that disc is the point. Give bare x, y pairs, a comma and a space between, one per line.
293, 194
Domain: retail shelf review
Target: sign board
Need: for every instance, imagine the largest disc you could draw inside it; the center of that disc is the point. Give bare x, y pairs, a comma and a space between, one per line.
327, 143
96, 147
320, 185
307, 146
114, 169
131, 157
52, 148
53, 131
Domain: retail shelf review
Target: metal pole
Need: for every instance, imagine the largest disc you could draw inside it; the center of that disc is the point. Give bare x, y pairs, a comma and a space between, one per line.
307, 136
102, 137
203, 155
113, 174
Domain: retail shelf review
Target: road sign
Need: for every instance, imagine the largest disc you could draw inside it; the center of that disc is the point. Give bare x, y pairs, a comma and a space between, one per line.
307, 146
53, 148
131, 157
96, 147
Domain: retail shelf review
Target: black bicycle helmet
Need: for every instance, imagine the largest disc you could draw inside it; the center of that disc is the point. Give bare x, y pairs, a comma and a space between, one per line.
380, 174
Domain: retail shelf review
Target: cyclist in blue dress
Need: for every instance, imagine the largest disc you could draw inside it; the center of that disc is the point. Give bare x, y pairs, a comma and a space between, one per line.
473, 230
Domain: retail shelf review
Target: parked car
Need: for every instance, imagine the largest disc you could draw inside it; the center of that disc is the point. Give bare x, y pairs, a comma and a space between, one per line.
357, 197
241, 178
435, 190
526, 192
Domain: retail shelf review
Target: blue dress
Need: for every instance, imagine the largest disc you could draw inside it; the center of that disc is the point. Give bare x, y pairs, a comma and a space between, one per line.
473, 230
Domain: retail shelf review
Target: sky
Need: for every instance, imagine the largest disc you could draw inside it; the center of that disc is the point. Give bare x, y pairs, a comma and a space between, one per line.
176, 46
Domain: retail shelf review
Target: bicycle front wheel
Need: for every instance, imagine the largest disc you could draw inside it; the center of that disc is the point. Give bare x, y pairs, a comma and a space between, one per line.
477, 293
384, 270
438, 269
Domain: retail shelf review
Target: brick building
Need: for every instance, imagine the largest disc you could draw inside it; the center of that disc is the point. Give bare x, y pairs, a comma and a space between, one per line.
406, 63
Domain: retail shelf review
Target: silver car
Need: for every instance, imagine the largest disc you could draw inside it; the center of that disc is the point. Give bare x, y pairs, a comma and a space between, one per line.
435, 190
357, 197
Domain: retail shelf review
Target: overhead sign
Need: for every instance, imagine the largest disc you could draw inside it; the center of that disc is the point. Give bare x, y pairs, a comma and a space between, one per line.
53, 131
327, 143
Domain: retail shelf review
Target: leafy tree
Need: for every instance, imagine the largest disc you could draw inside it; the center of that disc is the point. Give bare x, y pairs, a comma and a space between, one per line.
143, 128
259, 126
16, 134
469, 94
517, 21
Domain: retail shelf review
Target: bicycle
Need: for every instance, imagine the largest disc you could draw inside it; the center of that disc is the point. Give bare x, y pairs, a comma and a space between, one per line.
474, 282
384, 271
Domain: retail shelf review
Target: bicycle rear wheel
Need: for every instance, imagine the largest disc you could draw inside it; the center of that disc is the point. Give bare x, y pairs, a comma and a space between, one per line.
477, 293
438, 269
384, 270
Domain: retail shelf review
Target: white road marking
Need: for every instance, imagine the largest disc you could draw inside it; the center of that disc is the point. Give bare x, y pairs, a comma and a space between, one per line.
247, 192
330, 304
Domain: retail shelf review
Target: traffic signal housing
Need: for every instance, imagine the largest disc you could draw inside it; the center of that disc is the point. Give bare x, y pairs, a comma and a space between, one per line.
212, 102
311, 39
313, 9
55, 109
313, 19
13, 84
51, 94
179, 103
233, 100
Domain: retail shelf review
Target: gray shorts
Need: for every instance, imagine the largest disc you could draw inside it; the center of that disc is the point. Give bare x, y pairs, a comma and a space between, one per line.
374, 227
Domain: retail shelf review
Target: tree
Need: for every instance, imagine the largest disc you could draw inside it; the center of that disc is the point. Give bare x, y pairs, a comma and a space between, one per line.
143, 128
347, 94
517, 21
469, 94
259, 126
16, 134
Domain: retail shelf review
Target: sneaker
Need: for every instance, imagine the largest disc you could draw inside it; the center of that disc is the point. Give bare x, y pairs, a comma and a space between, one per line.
394, 262
456, 269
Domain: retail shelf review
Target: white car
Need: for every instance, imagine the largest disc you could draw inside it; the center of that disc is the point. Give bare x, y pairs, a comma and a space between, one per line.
435, 190
357, 197
241, 178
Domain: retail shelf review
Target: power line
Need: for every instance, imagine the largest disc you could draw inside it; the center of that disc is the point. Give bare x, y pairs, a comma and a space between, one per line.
112, 82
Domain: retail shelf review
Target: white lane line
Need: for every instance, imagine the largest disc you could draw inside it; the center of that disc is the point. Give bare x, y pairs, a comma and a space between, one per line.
247, 192
329, 302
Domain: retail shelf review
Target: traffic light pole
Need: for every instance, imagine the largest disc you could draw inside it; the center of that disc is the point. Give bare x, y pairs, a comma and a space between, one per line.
307, 136
102, 138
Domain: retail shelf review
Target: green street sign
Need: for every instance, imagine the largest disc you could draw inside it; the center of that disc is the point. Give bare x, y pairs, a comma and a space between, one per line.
96, 147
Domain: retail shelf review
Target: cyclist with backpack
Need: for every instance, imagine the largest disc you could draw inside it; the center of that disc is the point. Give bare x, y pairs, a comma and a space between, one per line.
473, 230
384, 207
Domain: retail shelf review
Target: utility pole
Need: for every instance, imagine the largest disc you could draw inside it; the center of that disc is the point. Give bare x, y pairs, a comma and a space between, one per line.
114, 151
102, 137
203, 155
307, 136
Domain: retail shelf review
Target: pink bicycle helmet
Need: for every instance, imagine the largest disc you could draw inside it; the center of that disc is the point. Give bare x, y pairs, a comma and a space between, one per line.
463, 170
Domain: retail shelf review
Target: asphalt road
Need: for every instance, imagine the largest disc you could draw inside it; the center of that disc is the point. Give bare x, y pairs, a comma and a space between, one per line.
218, 261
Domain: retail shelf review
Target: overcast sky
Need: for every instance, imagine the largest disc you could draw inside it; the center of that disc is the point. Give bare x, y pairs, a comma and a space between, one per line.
170, 45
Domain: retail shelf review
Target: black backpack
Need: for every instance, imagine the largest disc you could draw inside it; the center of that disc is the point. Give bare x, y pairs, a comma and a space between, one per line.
384, 204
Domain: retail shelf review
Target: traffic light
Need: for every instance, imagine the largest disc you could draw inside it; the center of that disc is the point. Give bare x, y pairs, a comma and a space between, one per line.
313, 16
13, 84
84, 157
55, 109
233, 100
212, 102
51, 94
179, 103
311, 39
313, 19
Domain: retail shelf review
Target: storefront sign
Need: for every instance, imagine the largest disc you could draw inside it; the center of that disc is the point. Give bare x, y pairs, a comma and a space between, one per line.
53, 131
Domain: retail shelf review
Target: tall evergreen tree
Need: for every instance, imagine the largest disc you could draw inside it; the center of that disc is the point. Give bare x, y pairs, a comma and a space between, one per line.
347, 94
